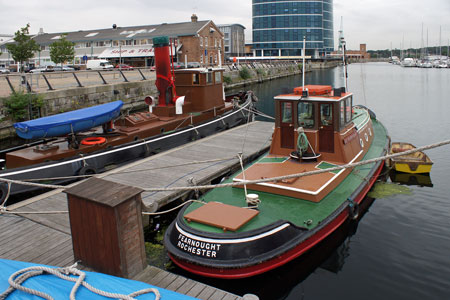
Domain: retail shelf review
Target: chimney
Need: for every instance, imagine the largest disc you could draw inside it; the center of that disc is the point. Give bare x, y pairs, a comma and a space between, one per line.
41, 31
194, 18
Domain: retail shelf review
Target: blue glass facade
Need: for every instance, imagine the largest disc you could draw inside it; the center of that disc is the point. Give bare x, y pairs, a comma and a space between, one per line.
280, 25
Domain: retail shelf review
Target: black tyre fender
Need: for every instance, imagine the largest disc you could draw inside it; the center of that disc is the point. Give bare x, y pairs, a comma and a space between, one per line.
87, 170
353, 210
3, 191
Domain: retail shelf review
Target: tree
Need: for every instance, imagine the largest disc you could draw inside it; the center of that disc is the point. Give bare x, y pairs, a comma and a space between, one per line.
23, 47
62, 50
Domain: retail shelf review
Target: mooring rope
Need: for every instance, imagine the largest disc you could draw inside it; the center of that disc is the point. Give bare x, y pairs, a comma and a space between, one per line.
4, 210
279, 178
16, 280
257, 112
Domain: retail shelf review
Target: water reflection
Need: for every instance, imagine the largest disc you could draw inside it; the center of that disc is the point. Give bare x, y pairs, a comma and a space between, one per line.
411, 179
285, 281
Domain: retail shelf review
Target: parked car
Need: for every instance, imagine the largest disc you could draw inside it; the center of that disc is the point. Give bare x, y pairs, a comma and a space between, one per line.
75, 67
63, 68
194, 64
4, 70
99, 64
124, 67
43, 69
178, 65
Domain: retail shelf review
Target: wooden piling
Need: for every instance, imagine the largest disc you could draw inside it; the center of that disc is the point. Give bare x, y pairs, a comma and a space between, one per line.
106, 225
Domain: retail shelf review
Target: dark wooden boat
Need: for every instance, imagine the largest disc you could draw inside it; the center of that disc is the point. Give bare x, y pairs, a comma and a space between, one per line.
237, 232
191, 105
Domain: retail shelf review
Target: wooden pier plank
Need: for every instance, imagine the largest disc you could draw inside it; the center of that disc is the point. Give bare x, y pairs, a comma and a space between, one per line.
46, 238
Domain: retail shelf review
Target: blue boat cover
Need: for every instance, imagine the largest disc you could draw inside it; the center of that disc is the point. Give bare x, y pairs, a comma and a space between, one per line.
60, 289
68, 122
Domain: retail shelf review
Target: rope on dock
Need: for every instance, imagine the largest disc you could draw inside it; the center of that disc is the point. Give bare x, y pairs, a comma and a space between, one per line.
16, 280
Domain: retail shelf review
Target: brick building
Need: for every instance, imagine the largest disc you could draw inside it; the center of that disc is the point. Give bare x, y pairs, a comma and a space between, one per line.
193, 41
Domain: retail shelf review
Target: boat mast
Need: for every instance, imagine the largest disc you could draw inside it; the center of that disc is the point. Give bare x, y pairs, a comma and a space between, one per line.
342, 47
303, 66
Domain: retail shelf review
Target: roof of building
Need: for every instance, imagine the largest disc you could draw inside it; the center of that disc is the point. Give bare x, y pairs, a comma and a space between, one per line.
230, 25
125, 33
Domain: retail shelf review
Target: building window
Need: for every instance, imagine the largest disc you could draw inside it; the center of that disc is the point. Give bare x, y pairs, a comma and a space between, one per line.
201, 58
206, 41
201, 41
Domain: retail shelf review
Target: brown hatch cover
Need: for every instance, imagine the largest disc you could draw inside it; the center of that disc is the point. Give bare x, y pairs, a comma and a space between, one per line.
224, 216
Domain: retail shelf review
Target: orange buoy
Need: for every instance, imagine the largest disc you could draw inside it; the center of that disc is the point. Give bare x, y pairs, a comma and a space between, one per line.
95, 140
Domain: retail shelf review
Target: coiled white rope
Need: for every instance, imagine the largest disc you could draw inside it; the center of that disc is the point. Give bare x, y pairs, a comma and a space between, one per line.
15, 281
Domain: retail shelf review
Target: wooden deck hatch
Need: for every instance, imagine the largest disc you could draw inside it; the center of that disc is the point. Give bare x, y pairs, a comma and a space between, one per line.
224, 216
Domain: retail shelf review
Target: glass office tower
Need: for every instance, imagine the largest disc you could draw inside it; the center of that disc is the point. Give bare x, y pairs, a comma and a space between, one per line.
280, 25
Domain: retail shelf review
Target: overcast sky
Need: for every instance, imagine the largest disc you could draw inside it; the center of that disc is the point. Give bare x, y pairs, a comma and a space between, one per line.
378, 23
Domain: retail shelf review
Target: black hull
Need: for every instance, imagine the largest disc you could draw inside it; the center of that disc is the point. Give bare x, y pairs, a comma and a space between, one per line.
102, 161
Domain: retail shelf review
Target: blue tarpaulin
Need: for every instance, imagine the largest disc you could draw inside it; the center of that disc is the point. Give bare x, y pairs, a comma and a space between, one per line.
60, 289
69, 122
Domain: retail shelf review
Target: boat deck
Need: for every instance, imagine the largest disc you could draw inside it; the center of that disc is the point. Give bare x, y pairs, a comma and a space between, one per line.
46, 239
300, 212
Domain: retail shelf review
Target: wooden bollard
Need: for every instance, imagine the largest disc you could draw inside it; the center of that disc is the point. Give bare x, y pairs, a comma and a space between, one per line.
106, 225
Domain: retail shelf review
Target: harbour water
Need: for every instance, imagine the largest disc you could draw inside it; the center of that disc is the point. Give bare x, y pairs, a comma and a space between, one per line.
400, 249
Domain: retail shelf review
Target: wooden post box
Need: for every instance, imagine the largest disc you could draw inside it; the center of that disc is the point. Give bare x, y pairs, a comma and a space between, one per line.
106, 225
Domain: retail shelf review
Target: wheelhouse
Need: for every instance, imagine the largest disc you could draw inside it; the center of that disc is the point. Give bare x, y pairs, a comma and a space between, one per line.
322, 112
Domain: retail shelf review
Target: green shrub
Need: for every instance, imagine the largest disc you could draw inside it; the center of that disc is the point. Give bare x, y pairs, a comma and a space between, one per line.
227, 79
260, 72
244, 73
18, 104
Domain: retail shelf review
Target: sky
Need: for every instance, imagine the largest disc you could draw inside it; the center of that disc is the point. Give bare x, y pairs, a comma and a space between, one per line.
378, 23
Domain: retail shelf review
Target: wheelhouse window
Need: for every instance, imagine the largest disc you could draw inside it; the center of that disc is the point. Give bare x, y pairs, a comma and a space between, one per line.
218, 77
326, 114
348, 109
195, 78
286, 112
209, 77
342, 114
306, 114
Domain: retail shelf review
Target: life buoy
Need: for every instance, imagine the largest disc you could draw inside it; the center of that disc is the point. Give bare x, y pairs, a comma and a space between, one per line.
94, 140
87, 170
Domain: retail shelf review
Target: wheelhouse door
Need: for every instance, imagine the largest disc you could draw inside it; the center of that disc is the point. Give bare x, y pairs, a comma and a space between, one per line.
287, 124
326, 128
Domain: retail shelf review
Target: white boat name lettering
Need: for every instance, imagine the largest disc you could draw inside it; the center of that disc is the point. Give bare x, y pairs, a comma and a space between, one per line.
197, 247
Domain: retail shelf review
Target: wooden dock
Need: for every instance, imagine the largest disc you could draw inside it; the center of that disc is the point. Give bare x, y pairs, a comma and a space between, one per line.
46, 238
